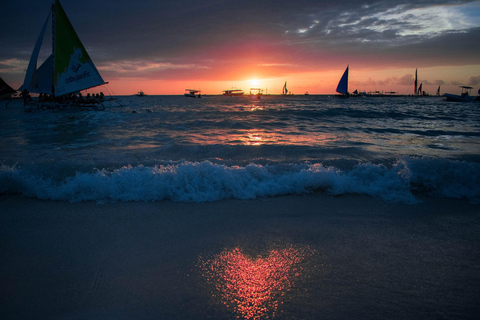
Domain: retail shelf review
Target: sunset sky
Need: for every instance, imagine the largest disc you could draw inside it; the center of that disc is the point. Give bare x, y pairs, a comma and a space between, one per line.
165, 46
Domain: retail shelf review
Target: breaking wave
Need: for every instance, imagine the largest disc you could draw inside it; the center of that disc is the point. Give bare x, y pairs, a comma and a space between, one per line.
205, 181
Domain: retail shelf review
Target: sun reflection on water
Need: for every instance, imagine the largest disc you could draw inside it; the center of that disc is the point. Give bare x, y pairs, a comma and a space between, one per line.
255, 108
250, 287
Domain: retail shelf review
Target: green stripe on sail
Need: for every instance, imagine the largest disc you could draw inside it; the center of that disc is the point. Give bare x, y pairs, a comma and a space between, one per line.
66, 42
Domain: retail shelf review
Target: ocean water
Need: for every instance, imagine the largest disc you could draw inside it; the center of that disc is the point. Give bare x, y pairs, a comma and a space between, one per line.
288, 257
195, 150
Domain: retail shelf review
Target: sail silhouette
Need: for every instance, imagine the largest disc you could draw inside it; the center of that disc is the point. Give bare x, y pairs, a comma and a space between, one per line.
69, 68
285, 90
343, 83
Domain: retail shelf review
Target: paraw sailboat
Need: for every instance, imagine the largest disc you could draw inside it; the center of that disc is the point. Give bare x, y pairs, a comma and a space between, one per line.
67, 71
342, 86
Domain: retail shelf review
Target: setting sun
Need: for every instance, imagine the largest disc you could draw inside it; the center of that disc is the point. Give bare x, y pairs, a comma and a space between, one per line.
254, 82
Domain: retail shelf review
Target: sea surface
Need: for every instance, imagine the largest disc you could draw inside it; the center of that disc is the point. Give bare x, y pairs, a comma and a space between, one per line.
399, 242
195, 150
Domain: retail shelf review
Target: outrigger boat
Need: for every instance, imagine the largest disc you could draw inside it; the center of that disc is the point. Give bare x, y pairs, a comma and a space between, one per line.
464, 97
141, 94
256, 93
193, 93
65, 73
233, 92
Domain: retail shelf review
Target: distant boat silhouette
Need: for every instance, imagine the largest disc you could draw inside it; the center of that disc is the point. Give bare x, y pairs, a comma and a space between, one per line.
342, 87
420, 90
464, 96
415, 83
233, 92
192, 93
256, 93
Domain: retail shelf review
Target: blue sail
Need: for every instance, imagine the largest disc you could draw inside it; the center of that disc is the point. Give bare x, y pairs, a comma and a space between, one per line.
343, 84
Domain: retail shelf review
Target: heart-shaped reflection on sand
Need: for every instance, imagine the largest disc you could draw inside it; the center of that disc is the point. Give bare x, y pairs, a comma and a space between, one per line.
252, 287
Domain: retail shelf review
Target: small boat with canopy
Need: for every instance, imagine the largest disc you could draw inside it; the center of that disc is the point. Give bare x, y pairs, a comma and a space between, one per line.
465, 96
193, 93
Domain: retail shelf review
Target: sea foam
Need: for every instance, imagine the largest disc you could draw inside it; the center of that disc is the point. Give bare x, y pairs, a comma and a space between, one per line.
207, 181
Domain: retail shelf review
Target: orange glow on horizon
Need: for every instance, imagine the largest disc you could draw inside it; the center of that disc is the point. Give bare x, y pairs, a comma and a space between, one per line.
314, 82
250, 287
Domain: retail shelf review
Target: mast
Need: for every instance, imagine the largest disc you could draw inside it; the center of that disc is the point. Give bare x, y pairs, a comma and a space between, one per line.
53, 46
415, 83
346, 84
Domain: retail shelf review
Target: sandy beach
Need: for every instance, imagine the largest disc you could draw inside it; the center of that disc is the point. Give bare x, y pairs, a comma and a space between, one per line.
367, 259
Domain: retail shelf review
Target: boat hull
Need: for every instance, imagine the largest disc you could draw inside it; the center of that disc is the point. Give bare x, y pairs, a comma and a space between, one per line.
462, 98
45, 105
234, 94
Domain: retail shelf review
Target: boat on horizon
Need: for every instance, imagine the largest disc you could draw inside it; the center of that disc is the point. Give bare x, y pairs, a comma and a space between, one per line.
465, 96
66, 72
342, 87
192, 93
140, 94
233, 92
256, 93
415, 83
377, 94
284, 89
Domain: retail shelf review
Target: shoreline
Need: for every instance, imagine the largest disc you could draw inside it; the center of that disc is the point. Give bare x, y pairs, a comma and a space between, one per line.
140, 260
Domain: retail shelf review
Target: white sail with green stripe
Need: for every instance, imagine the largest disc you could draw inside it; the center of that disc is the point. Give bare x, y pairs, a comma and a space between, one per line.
69, 68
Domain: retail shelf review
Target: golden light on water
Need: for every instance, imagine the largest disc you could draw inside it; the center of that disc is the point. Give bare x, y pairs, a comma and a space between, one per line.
254, 139
252, 287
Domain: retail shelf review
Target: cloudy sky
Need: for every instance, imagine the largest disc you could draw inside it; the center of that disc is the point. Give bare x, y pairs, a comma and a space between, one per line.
165, 46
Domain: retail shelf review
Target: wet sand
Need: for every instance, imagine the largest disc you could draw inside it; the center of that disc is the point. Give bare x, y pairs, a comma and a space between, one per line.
367, 259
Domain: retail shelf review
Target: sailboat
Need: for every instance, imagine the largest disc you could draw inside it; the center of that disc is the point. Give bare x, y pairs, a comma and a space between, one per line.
68, 70
6, 91
342, 87
285, 90
420, 90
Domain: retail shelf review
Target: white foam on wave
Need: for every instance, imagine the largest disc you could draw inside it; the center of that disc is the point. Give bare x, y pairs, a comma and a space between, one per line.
207, 181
